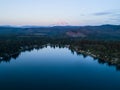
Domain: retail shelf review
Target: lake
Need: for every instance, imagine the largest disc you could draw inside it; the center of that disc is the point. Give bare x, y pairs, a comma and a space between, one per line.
57, 69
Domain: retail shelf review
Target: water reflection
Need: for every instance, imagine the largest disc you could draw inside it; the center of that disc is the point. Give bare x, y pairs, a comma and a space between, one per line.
102, 51
57, 68
14, 55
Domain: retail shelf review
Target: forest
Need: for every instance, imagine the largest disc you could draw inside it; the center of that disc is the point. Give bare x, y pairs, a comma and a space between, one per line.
104, 51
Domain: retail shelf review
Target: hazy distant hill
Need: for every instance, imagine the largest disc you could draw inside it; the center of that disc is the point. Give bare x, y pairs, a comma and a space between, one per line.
111, 32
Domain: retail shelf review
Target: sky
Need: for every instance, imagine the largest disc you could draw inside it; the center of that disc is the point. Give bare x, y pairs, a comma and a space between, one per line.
59, 12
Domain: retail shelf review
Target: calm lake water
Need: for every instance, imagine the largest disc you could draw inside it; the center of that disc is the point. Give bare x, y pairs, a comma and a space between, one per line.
57, 69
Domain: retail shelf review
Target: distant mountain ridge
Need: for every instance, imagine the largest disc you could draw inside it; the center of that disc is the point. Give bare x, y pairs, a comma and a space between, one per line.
105, 32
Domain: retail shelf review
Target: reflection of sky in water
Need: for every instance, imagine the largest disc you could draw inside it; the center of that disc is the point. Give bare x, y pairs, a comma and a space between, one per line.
57, 68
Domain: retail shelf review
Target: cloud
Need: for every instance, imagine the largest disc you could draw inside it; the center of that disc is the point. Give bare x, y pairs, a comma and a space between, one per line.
109, 12
102, 13
109, 16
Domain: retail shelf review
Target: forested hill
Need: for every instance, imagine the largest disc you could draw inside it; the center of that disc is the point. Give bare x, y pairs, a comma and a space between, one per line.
103, 32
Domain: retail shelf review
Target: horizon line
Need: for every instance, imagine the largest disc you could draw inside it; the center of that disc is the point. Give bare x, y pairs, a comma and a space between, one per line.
53, 25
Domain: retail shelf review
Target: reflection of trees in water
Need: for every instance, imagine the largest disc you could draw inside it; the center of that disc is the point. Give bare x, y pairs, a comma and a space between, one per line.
9, 57
104, 52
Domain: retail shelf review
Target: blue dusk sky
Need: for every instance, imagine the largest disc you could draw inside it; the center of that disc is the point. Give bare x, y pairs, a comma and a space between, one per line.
59, 12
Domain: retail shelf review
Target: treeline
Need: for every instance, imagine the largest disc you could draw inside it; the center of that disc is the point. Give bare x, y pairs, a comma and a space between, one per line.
105, 51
